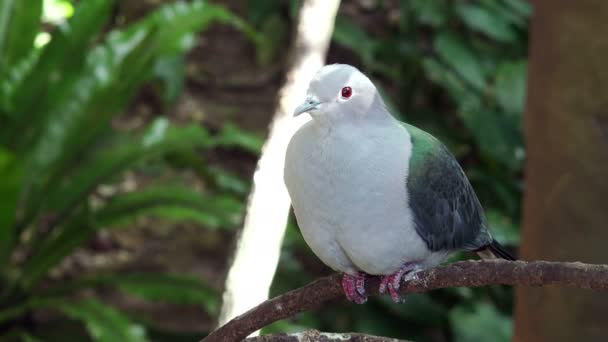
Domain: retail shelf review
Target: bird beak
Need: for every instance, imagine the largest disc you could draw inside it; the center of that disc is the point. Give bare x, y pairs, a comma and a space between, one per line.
311, 103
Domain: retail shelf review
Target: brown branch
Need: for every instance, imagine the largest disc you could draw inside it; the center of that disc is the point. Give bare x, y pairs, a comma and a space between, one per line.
317, 336
459, 274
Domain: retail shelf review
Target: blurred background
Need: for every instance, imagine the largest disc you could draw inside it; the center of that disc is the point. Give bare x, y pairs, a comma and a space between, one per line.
130, 131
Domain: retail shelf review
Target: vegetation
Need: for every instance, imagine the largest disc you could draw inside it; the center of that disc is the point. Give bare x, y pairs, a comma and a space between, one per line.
455, 68
57, 147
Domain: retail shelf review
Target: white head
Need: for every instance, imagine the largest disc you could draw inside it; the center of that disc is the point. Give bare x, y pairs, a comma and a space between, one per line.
342, 92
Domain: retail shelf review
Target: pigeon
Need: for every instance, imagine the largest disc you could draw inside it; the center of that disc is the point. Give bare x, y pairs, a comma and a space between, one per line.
373, 195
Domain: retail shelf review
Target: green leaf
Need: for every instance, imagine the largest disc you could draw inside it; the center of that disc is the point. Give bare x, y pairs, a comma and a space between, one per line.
61, 59
522, 7
27, 337
274, 34
45, 127
227, 181
56, 11
503, 228
75, 188
176, 203
158, 140
483, 323
489, 23
170, 70
232, 136
511, 85
173, 202
17, 310
9, 84
509, 15
170, 288
350, 35
74, 233
10, 186
181, 20
446, 77
19, 24
455, 52
78, 88
104, 324
175, 289
89, 102
498, 191
258, 11
432, 13
498, 136
267, 16
216, 177
84, 105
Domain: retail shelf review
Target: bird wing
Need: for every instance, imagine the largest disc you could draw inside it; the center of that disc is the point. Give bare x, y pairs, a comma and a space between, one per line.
447, 213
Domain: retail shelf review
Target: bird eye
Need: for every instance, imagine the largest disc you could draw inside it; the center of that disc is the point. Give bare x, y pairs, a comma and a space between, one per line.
347, 92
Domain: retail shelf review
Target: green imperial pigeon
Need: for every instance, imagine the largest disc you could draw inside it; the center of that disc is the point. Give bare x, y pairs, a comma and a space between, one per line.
372, 195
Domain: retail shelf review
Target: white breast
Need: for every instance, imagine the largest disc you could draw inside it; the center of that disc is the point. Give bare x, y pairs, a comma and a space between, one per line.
348, 188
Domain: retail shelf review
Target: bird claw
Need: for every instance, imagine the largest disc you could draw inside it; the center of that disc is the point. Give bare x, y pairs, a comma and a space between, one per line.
354, 287
392, 282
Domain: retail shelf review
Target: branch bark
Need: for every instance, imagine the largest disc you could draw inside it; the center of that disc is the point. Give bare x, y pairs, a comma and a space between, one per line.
259, 245
459, 274
317, 336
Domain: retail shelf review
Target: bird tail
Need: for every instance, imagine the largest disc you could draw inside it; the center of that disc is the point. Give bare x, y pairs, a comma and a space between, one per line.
494, 250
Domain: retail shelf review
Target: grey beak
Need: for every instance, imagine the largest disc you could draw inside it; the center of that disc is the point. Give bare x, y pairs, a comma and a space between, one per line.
307, 106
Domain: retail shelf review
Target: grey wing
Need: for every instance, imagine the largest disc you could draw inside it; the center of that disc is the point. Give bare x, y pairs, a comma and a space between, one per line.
447, 213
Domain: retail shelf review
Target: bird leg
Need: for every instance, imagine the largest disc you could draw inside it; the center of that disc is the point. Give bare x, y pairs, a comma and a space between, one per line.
354, 287
392, 282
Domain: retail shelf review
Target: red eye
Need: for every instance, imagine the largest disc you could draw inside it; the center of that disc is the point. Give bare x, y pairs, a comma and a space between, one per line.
347, 92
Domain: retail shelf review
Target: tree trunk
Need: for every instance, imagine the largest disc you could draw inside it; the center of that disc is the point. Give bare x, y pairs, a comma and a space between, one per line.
566, 200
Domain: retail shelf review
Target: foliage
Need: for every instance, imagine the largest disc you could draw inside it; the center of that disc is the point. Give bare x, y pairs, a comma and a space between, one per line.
58, 97
458, 70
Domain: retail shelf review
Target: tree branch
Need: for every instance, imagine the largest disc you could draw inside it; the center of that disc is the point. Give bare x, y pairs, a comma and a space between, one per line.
317, 336
459, 274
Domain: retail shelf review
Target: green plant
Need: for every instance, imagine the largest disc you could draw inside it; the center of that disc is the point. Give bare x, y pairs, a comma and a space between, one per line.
57, 146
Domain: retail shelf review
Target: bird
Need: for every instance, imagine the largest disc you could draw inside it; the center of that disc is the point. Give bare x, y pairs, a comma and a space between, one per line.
374, 196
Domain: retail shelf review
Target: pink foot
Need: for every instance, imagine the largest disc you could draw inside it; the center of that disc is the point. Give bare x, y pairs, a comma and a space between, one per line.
354, 287
392, 282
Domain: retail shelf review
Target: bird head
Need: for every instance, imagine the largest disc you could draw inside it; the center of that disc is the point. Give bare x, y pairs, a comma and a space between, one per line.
341, 92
